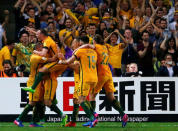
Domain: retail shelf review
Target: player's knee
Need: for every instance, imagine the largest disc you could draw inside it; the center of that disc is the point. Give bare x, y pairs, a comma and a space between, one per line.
110, 96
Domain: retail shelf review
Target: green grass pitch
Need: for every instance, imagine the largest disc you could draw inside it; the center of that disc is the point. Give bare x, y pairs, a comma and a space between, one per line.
101, 126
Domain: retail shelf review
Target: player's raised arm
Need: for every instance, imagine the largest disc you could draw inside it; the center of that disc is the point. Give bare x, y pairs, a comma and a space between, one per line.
31, 30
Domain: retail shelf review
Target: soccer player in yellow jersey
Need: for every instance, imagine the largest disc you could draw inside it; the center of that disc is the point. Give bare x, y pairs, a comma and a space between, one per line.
49, 50
104, 77
36, 61
88, 77
47, 93
76, 67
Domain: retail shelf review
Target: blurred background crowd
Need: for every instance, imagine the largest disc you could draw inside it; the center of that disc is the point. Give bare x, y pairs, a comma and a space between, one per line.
144, 32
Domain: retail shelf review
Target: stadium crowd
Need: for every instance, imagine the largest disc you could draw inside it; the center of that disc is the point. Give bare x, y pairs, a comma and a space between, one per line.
144, 32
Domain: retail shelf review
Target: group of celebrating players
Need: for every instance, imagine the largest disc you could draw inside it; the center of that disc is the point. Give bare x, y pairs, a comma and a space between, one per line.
91, 74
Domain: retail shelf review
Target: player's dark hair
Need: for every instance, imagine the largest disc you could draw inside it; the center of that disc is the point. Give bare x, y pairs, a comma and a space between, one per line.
44, 32
7, 62
99, 40
84, 39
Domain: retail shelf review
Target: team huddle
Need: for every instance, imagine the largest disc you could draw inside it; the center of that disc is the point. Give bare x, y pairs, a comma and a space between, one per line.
91, 74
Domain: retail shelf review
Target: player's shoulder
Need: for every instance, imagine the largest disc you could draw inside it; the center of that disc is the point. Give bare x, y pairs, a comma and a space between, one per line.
100, 46
49, 40
62, 31
87, 50
3, 49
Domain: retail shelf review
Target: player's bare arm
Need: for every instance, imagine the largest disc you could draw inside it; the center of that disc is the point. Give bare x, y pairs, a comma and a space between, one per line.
68, 61
75, 66
41, 53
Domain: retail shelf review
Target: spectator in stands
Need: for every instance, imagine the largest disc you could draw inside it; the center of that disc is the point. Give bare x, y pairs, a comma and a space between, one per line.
102, 26
130, 54
145, 50
170, 46
22, 52
50, 10
125, 8
32, 37
115, 52
132, 70
131, 18
44, 20
7, 70
172, 25
164, 29
52, 31
19, 21
2, 35
92, 32
30, 16
5, 53
69, 32
170, 69
3, 22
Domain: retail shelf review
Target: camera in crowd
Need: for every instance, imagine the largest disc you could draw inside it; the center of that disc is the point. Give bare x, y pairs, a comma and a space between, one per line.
20, 68
10, 71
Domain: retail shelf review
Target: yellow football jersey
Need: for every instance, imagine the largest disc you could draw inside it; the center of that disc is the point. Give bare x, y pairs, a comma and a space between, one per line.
70, 39
51, 45
91, 11
127, 14
4, 55
77, 81
76, 76
103, 60
36, 62
115, 55
88, 59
